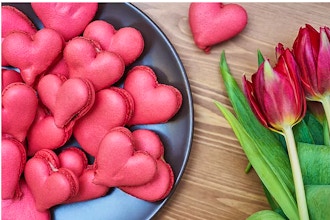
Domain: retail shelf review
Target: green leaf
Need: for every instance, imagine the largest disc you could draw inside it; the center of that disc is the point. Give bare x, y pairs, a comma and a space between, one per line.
326, 133
315, 128
265, 215
270, 146
314, 163
273, 204
318, 202
261, 58
302, 133
262, 166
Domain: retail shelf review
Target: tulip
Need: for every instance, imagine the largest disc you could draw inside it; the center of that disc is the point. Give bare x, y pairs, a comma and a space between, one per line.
278, 101
275, 94
312, 52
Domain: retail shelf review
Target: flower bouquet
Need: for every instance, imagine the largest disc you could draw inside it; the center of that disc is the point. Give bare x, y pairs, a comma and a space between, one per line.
281, 121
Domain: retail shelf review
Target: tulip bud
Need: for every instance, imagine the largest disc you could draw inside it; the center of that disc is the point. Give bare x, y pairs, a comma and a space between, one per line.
275, 94
312, 52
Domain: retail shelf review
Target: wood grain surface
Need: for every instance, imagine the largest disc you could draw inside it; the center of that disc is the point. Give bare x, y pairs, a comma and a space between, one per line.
214, 184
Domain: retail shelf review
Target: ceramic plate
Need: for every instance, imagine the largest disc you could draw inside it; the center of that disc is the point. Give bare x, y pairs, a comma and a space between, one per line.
176, 135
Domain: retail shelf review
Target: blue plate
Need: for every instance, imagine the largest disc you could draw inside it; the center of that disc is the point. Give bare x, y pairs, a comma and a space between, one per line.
176, 135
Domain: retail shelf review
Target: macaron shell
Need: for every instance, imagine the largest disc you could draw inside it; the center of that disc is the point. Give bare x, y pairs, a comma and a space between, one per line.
87, 189
158, 188
48, 87
49, 184
129, 101
13, 159
19, 107
32, 54
149, 141
74, 99
48, 156
23, 208
112, 107
74, 159
13, 19
69, 19
87, 60
118, 164
128, 42
101, 32
153, 102
44, 134
9, 76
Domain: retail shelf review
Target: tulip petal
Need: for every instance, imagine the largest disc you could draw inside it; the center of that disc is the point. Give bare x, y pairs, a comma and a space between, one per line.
323, 63
306, 58
248, 90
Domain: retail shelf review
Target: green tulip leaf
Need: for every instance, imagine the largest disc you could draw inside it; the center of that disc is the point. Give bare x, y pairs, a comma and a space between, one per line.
261, 58
271, 201
309, 130
302, 133
318, 202
265, 214
314, 163
315, 128
262, 165
326, 133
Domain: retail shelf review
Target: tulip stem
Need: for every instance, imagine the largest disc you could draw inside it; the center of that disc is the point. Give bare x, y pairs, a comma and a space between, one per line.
326, 106
296, 172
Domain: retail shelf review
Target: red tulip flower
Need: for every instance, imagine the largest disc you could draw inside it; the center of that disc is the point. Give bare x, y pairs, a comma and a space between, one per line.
312, 52
275, 94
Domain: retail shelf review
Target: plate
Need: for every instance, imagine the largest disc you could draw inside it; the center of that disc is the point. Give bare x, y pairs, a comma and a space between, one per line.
176, 135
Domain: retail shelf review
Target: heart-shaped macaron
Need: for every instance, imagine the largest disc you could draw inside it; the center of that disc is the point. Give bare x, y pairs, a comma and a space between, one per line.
19, 107
49, 183
44, 134
119, 164
74, 159
149, 141
153, 102
87, 189
9, 76
113, 107
48, 87
128, 42
13, 19
68, 100
213, 22
68, 18
156, 189
32, 54
13, 159
22, 208
160, 186
86, 59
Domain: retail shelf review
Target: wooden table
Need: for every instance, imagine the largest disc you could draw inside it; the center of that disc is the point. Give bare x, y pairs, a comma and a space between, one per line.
214, 185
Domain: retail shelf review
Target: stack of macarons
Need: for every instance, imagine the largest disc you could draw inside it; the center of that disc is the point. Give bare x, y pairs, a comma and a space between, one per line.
59, 84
